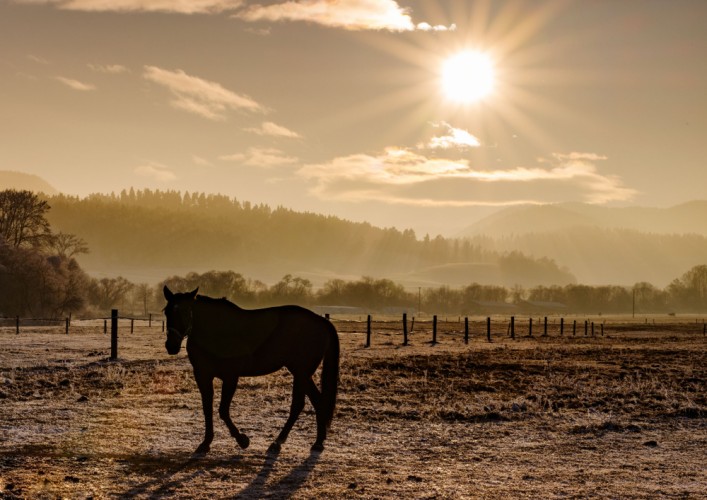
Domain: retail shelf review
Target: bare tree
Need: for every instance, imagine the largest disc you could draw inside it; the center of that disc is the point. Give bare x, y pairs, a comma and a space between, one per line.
68, 245
22, 219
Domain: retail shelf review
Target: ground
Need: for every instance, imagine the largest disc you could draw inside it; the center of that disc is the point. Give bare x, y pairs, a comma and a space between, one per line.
623, 415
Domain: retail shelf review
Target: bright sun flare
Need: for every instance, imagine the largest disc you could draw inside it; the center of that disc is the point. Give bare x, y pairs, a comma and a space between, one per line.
468, 77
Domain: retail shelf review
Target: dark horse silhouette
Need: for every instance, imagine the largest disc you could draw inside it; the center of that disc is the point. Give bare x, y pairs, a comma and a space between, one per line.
228, 342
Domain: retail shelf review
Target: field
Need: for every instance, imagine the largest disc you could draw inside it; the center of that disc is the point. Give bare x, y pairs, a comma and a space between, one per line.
622, 415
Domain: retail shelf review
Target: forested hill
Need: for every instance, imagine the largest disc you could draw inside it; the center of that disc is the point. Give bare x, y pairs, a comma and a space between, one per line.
148, 235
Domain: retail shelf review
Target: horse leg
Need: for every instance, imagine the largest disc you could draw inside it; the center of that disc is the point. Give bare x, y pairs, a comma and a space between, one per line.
227, 392
206, 388
315, 396
295, 410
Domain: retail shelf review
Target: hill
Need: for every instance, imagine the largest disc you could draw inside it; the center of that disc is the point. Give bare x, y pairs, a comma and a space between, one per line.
146, 236
602, 245
686, 218
22, 181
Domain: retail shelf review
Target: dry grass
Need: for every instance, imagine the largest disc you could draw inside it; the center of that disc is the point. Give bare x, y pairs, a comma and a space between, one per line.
623, 416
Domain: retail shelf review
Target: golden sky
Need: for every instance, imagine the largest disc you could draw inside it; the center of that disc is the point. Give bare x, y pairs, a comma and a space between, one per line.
355, 107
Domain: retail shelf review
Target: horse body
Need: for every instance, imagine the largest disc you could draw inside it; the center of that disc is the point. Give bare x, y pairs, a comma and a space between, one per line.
273, 338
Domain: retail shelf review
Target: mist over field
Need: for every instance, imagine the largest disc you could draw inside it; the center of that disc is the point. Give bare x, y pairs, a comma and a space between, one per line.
147, 235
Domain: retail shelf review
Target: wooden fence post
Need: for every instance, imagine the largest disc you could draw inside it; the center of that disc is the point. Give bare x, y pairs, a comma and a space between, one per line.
513, 327
105, 326
586, 325
405, 329
562, 326
368, 331
149, 321
162, 326
132, 325
488, 329
434, 329
466, 329
545, 327
114, 334
530, 327
67, 326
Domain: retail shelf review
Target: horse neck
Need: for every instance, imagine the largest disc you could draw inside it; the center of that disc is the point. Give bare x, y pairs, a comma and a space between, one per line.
206, 310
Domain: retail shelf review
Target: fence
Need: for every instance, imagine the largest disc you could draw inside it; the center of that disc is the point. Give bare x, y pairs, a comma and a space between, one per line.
489, 328
495, 329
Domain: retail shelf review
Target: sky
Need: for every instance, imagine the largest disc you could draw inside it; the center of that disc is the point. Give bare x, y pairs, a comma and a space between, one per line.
353, 108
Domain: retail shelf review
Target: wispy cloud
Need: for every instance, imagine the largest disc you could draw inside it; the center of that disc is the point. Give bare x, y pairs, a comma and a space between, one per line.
274, 130
75, 84
346, 14
175, 6
261, 157
575, 156
453, 138
401, 176
156, 171
111, 69
37, 59
202, 97
202, 162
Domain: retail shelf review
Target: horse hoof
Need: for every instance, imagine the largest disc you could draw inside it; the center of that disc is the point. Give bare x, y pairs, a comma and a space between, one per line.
274, 448
203, 449
318, 447
243, 441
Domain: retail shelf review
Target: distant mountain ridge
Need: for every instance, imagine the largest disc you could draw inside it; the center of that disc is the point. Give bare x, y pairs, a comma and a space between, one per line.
686, 218
602, 245
20, 181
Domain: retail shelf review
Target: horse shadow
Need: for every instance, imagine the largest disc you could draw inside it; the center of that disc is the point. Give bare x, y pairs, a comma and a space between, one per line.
169, 478
285, 486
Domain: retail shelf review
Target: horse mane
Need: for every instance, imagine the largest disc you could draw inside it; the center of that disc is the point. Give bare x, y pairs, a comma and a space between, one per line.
214, 301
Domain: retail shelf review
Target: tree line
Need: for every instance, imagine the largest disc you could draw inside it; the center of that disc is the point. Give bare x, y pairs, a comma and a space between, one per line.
40, 276
686, 294
139, 230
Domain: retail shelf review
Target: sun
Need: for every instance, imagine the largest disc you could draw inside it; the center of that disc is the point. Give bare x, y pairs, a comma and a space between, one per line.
468, 77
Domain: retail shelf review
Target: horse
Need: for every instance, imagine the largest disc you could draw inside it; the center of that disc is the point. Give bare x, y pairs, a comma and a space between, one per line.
227, 342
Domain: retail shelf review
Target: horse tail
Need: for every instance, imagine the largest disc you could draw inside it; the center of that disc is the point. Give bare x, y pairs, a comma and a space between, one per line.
330, 375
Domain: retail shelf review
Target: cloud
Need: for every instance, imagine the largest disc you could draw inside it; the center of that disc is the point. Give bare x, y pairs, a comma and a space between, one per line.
202, 162
454, 138
174, 6
37, 59
574, 156
198, 96
347, 14
400, 176
156, 171
261, 157
75, 84
111, 69
274, 130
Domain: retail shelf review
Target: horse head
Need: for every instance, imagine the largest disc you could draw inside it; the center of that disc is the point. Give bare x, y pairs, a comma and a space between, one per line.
179, 315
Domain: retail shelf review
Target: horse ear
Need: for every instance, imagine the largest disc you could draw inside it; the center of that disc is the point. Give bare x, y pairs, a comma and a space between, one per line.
194, 292
167, 293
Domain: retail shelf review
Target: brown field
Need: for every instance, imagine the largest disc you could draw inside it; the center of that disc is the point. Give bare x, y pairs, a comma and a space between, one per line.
618, 416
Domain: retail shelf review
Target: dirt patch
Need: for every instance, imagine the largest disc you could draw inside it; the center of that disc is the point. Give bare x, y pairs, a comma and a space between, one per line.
617, 416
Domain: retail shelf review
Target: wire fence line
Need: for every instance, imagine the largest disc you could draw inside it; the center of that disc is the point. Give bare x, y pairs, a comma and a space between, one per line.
18, 322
